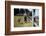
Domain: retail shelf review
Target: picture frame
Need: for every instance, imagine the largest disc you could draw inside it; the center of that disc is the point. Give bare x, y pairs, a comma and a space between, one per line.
10, 12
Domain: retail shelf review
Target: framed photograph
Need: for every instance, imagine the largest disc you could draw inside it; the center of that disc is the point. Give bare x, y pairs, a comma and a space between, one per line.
24, 17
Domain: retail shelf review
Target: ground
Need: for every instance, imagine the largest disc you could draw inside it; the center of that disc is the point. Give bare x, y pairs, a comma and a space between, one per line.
21, 23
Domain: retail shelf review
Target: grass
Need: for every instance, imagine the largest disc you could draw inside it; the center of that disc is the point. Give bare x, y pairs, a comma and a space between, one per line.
21, 24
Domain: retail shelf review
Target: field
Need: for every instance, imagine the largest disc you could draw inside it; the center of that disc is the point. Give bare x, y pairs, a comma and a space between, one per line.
19, 22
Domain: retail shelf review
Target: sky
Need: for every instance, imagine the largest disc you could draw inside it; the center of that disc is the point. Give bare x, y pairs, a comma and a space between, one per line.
37, 12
